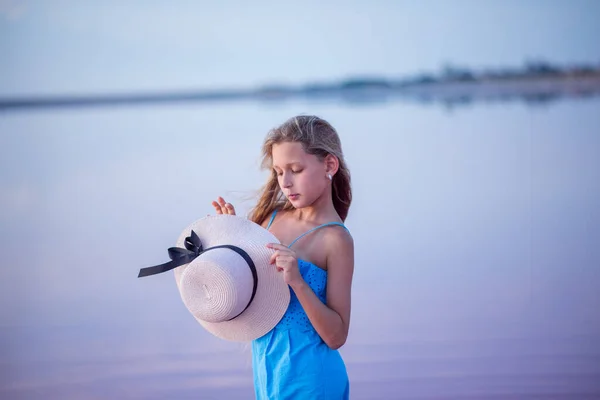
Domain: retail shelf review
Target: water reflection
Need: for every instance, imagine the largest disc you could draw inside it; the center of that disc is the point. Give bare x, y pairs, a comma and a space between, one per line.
477, 266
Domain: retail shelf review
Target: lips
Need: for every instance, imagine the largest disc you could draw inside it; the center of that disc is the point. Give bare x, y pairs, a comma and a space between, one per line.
293, 196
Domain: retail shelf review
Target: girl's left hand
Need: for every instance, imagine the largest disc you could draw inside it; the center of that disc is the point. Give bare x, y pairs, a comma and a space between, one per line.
285, 259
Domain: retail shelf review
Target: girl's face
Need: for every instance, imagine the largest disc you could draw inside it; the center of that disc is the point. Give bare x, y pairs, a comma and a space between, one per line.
301, 176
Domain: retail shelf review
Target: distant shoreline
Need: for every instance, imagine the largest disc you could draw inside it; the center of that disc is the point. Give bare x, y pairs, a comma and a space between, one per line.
536, 83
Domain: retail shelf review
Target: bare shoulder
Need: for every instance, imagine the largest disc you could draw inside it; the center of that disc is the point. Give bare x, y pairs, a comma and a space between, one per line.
340, 245
339, 236
265, 222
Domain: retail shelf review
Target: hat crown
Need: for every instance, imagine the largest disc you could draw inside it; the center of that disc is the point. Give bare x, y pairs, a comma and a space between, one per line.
217, 286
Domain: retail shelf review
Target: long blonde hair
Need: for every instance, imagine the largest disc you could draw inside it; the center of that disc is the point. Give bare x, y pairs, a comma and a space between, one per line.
317, 137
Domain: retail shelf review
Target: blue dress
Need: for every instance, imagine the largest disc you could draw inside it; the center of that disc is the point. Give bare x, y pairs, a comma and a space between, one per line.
292, 361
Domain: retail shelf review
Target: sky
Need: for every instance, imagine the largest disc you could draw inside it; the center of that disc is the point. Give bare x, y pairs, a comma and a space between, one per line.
70, 47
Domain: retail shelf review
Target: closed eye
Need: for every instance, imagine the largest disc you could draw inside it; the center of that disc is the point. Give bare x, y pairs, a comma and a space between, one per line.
293, 172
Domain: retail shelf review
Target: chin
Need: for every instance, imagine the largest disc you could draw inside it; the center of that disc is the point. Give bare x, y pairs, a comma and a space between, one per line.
297, 203
300, 204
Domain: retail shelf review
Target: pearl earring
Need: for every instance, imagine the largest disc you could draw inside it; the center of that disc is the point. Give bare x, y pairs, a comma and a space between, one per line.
329, 176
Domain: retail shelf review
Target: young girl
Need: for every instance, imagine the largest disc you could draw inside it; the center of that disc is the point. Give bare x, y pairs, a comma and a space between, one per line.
304, 204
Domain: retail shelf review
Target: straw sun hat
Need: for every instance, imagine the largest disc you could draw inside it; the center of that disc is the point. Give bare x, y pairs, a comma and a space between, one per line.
222, 271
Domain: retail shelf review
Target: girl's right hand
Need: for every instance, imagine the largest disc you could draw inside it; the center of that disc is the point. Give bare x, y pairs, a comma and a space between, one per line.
222, 207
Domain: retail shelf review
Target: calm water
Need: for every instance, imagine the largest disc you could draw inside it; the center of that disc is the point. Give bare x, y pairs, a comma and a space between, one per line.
476, 230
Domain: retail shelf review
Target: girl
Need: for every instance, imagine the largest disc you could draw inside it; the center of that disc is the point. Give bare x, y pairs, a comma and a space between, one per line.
304, 204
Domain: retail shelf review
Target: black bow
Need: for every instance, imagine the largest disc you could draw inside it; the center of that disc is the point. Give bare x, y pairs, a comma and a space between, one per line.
178, 256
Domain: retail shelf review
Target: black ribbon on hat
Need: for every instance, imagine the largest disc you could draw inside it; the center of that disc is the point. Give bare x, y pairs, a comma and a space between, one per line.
193, 248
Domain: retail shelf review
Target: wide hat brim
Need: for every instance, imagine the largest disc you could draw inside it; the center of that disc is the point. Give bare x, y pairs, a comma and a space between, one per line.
272, 295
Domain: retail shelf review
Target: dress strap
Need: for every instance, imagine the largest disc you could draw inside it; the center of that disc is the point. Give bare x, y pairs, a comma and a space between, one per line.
318, 227
272, 218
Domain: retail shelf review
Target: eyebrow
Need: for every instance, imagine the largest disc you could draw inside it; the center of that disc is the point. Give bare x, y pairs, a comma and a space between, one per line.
288, 164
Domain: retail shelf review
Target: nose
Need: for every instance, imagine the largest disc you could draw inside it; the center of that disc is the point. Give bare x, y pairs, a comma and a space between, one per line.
286, 180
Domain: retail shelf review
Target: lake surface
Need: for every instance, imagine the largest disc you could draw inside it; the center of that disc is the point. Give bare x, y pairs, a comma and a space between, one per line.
477, 233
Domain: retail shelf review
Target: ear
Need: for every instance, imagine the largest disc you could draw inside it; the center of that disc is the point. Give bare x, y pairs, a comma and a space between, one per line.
332, 164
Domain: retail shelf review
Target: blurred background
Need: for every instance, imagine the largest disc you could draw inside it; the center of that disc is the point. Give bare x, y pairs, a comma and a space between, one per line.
471, 129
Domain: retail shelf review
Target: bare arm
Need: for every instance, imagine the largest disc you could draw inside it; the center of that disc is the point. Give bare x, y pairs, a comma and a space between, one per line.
332, 321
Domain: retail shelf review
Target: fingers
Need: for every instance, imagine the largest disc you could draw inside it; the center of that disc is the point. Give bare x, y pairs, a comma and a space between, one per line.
281, 257
279, 260
274, 261
217, 207
273, 258
230, 209
222, 207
